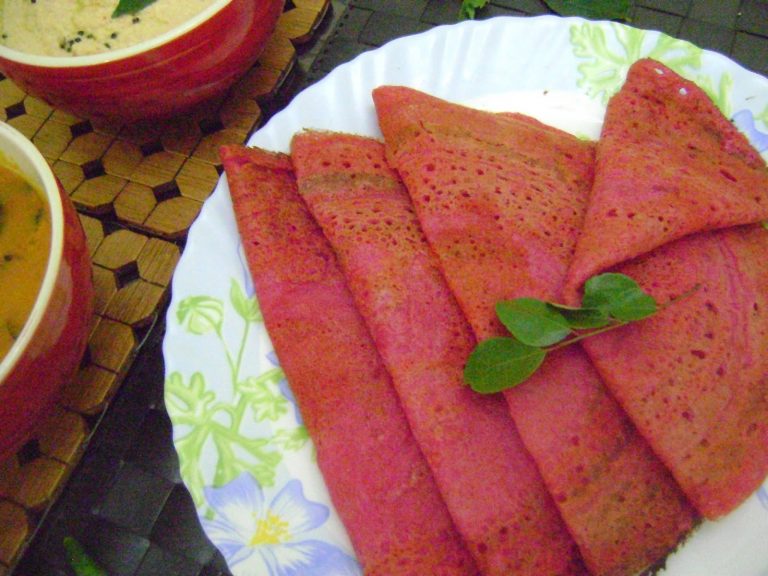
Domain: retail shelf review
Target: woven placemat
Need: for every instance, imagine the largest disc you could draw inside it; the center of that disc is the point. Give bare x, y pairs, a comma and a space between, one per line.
137, 188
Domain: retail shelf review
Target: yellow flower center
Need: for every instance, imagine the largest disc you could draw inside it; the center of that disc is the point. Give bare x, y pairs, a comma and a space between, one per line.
270, 530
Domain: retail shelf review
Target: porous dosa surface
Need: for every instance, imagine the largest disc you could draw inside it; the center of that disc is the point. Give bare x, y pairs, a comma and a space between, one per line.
488, 480
376, 474
501, 199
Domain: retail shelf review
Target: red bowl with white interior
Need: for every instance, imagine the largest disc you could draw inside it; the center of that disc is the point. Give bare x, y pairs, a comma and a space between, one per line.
47, 350
163, 76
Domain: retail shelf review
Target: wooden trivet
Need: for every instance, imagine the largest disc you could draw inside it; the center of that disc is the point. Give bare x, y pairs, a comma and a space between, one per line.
154, 176
137, 188
132, 275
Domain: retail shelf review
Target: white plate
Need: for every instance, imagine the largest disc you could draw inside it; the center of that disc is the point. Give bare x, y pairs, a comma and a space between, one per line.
245, 455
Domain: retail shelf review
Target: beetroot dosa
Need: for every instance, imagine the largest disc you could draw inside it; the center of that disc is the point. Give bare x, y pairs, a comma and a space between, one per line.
491, 486
670, 165
376, 475
695, 376
501, 199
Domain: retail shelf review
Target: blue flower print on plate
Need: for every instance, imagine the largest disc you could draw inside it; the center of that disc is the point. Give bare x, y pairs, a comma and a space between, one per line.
745, 121
272, 538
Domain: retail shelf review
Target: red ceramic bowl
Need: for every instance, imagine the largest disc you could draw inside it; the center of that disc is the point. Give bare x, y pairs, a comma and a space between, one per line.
48, 350
161, 77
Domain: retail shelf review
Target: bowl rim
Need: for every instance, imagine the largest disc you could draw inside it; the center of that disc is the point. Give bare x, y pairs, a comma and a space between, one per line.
51, 192
121, 53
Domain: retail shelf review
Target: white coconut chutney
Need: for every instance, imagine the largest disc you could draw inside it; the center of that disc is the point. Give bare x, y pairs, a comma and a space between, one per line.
80, 27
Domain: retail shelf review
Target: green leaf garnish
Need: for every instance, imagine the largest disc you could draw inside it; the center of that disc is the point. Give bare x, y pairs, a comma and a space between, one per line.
539, 327
499, 363
582, 318
595, 9
618, 296
469, 7
81, 563
532, 322
125, 7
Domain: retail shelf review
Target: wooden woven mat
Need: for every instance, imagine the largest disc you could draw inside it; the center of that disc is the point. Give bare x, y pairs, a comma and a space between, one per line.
137, 188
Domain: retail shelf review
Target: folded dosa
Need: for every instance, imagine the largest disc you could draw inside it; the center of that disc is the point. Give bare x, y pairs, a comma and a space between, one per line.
695, 376
501, 199
378, 478
489, 482
668, 164
671, 166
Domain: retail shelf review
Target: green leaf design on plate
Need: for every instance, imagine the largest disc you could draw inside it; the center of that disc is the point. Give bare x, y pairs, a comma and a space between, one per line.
720, 93
618, 296
204, 423
292, 439
763, 116
532, 322
247, 308
264, 397
190, 403
499, 363
608, 57
201, 314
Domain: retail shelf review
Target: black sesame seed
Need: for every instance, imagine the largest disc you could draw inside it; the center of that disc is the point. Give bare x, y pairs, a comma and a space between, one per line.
107, 45
78, 39
89, 36
113, 35
80, 33
136, 20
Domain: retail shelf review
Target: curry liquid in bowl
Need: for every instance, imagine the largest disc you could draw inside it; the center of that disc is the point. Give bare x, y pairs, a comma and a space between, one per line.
82, 27
25, 237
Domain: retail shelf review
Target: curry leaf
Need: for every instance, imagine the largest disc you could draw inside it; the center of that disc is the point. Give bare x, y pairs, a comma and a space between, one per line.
595, 9
538, 327
618, 296
499, 363
532, 322
582, 318
79, 560
130, 7
469, 7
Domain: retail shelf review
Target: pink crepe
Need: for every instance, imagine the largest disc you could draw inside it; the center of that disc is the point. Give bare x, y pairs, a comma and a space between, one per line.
695, 377
670, 166
490, 484
501, 199
377, 476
